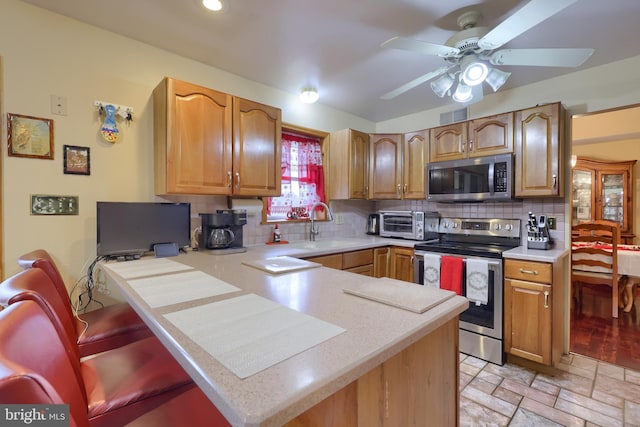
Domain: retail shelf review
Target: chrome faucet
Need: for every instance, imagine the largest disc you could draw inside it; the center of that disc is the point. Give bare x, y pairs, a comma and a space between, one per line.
314, 232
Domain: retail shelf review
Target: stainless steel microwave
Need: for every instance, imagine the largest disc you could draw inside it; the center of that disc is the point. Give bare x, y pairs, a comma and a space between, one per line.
471, 180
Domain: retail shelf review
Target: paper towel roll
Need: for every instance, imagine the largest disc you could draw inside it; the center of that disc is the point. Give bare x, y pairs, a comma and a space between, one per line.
252, 206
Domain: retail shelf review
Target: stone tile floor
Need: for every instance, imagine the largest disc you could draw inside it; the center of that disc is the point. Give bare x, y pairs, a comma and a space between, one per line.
579, 392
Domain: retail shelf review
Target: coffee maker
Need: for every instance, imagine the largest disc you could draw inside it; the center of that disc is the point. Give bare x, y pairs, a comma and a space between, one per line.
222, 231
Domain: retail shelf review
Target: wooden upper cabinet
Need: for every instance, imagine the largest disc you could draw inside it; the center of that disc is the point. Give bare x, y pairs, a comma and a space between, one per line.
448, 142
206, 141
385, 165
539, 141
491, 135
257, 145
486, 136
348, 176
192, 154
416, 146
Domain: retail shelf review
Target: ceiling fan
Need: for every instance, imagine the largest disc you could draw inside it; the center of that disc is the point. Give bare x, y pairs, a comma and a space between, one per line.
470, 53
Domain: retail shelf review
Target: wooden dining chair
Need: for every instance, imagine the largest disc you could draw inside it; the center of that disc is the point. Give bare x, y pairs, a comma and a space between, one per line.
594, 258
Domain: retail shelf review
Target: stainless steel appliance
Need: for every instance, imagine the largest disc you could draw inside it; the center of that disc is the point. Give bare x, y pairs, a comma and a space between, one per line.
471, 180
412, 225
222, 231
481, 327
373, 224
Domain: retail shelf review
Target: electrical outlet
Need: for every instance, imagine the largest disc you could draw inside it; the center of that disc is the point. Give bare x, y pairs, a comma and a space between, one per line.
551, 223
339, 219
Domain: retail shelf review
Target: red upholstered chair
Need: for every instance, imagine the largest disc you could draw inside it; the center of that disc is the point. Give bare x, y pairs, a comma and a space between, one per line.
106, 328
34, 369
129, 379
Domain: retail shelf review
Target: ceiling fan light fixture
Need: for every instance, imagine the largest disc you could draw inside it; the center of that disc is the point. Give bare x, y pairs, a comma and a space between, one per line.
309, 95
442, 85
496, 78
473, 71
463, 93
213, 5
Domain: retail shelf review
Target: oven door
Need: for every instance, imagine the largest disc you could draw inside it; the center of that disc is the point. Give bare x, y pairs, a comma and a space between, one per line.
481, 328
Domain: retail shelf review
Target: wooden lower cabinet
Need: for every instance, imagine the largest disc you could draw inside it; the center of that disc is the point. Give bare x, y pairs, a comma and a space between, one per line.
361, 262
401, 263
381, 262
533, 327
415, 388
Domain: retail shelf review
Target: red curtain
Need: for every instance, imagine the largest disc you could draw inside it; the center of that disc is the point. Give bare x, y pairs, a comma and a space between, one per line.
302, 176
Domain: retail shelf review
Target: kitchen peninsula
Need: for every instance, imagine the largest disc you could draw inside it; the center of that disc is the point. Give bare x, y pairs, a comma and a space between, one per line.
388, 367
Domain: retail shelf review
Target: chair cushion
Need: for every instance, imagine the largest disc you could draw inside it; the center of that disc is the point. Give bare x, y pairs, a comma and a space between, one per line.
109, 327
131, 373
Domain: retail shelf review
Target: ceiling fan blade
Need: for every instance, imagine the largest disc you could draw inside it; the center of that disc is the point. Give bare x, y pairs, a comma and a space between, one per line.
541, 57
415, 82
420, 46
528, 16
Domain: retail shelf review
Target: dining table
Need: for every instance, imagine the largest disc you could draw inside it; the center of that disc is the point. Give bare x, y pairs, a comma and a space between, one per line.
629, 266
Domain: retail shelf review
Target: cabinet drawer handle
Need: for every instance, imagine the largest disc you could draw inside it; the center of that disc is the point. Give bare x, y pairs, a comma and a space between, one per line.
546, 299
229, 180
237, 179
523, 271
406, 187
399, 191
555, 180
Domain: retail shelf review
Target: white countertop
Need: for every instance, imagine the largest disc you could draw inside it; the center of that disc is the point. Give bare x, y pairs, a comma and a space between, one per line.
550, 255
374, 331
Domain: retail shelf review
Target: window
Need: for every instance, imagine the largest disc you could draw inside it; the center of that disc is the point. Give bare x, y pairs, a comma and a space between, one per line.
302, 178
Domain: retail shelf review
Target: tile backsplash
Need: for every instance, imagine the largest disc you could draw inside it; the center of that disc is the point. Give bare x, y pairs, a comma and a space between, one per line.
350, 216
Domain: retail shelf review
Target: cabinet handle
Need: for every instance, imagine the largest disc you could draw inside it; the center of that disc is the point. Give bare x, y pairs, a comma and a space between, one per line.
237, 179
229, 180
523, 271
471, 145
546, 299
555, 180
399, 191
406, 187
463, 147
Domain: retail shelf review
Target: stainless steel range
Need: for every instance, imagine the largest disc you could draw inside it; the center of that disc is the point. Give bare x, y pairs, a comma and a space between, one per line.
481, 325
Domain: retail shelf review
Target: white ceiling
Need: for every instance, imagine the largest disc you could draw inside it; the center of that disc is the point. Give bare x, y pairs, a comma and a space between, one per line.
335, 44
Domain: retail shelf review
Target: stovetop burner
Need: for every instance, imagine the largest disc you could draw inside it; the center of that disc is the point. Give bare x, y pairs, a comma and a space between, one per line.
480, 237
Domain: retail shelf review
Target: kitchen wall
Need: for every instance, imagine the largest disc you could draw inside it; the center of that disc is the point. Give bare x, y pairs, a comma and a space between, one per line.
46, 54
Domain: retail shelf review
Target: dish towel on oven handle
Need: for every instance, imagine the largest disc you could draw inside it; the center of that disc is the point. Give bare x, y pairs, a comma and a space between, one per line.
477, 280
451, 274
432, 270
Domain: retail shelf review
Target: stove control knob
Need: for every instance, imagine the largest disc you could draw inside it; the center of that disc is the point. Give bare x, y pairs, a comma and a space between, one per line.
508, 227
455, 225
498, 227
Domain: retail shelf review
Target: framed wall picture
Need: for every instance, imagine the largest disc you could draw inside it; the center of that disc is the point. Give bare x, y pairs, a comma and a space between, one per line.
76, 160
30, 136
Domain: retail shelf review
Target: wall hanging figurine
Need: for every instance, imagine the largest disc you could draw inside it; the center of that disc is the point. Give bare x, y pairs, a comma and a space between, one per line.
109, 128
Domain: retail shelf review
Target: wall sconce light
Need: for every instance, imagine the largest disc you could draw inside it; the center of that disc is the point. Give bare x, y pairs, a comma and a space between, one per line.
309, 95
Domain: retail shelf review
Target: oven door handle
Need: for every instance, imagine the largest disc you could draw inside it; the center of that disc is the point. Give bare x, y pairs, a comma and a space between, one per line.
418, 254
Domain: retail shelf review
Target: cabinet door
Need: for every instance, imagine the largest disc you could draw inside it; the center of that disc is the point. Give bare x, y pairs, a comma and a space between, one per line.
385, 181
257, 131
491, 135
448, 142
192, 127
416, 146
528, 316
348, 166
381, 262
614, 198
583, 196
538, 144
402, 264
358, 165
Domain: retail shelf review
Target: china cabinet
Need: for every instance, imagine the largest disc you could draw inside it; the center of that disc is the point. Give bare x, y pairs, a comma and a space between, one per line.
604, 190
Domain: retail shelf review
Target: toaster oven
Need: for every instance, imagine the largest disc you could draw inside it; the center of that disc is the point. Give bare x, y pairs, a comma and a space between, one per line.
412, 225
